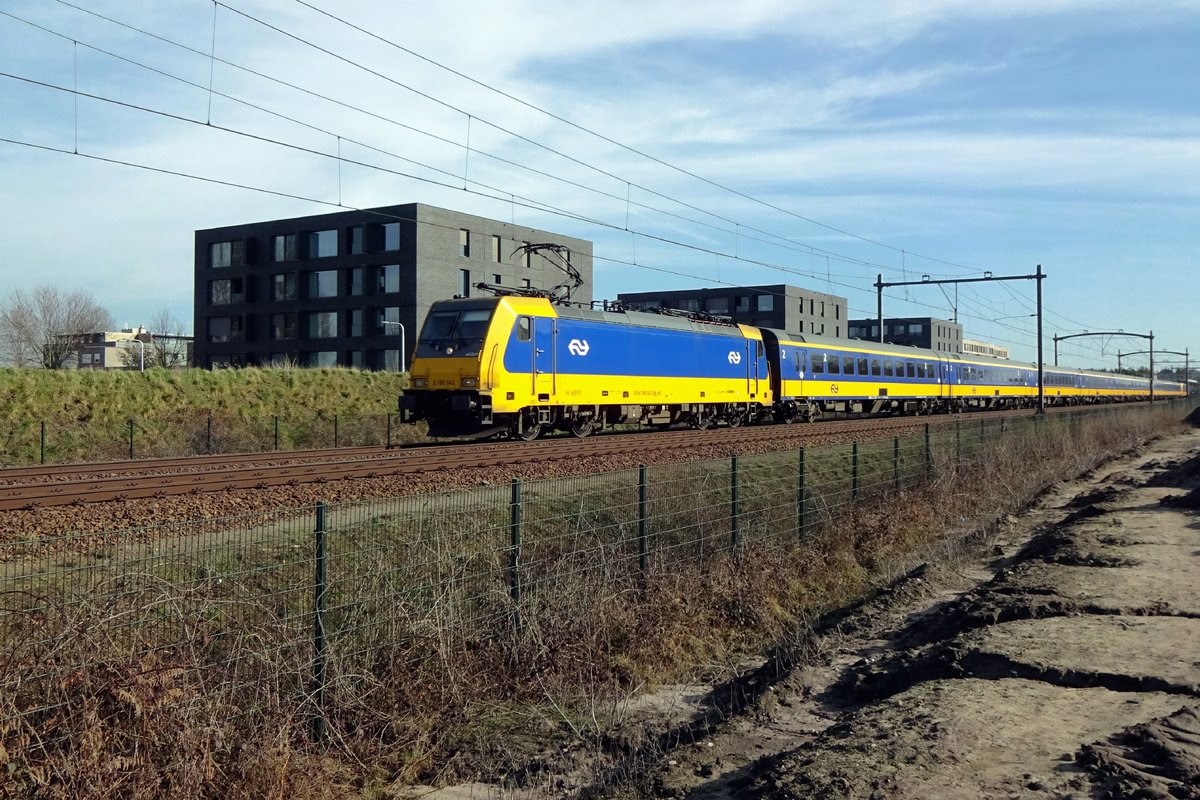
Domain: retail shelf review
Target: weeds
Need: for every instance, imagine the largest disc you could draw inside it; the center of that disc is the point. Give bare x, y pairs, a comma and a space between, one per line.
196, 679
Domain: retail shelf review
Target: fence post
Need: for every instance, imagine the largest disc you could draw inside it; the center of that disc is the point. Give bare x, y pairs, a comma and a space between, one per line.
643, 549
928, 453
896, 463
733, 502
335, 430
514, 553
389, 430
276, 431
801, 494
43, 441
317, 723
854, 471
208, 436
131, 452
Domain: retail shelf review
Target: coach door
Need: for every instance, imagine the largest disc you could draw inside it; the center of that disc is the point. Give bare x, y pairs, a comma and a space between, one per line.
545, 332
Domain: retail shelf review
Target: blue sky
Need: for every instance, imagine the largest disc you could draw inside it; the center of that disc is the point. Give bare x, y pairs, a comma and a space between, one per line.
770, 141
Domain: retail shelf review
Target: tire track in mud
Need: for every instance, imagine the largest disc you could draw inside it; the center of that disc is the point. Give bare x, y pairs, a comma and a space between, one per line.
1072, 670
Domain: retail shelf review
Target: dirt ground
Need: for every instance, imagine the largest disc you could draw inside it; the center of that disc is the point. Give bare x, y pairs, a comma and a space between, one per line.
1062, 663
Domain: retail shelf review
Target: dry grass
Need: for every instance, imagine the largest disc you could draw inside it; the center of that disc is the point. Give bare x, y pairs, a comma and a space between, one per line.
442, 682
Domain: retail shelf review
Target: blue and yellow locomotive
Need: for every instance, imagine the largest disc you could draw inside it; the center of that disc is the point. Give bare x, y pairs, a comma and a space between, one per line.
514, 366
518, 366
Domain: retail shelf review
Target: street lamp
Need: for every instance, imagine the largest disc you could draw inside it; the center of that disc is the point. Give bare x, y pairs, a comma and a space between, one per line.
401, 326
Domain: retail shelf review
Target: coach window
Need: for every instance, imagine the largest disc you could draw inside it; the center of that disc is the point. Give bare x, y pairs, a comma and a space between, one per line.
863, 368
875, 368
912, 369
888, 371
818, 365
835, 367
522, 329
847, 365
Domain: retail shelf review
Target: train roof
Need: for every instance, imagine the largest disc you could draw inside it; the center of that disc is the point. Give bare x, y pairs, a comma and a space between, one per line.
647, 319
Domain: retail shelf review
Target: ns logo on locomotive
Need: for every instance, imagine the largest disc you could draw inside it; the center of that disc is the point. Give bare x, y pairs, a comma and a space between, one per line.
524, 362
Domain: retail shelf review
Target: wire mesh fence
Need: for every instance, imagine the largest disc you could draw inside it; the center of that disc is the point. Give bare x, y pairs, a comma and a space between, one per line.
304, 613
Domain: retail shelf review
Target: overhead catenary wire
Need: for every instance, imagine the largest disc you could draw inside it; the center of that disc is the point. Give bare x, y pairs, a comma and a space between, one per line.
536, 205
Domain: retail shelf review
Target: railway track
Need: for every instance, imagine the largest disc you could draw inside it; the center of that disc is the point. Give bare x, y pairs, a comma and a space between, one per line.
33, 488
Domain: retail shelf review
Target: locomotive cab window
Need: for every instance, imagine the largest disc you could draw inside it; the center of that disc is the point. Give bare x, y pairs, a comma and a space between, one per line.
522, 329
454, 331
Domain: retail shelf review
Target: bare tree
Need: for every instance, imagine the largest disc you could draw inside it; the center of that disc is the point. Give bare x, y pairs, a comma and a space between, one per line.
163, 344
43, 327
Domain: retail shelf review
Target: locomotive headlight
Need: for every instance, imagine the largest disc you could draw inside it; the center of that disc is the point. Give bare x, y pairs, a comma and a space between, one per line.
420, 383
470, 383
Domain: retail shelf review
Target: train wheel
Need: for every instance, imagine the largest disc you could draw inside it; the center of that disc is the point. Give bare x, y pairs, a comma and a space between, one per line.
531, 432
735, 420
582, 428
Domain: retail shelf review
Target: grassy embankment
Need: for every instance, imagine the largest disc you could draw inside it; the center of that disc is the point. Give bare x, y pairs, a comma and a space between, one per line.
181, 412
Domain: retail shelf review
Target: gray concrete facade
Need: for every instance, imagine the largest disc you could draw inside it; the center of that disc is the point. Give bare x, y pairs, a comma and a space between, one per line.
780, 306
931, 333
342, 289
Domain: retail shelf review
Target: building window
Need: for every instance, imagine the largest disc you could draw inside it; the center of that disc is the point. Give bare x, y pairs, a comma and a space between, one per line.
283, 326
766, 302
496, 279
356, 281
389, 360
742, 304
323, 283
464, 242
822, 308
690, 304
322, 324
283, 287
356, 322
717, 305
465, 290
227, 254
283, 247
391, 236
224, 329
389, 279
525, 255
323, 358
497, 250
224, 292
388, 318
837, 311
357, 359
358, 240
525, 283
322, 244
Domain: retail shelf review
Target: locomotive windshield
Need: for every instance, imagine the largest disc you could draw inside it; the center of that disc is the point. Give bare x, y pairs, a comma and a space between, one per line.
454, 331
